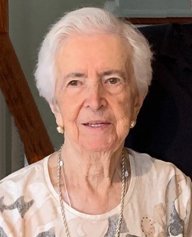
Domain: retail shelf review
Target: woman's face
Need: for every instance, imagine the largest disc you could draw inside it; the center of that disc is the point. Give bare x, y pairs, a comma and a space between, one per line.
95, 91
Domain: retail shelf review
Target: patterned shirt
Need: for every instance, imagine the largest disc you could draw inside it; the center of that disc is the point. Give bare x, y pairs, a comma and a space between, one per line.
158, 203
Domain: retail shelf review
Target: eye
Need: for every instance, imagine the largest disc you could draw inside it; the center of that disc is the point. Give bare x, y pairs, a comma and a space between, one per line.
114, 83
113, 80
74, 83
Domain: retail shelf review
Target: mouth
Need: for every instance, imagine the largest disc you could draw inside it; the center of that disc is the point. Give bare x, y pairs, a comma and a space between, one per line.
96, 124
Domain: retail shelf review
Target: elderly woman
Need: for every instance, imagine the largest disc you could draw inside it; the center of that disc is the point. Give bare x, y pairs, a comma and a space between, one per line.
94, 70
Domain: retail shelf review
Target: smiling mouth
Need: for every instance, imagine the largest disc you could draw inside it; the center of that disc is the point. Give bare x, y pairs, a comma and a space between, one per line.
97, 124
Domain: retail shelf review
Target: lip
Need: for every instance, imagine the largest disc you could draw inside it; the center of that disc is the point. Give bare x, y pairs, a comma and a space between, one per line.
96, 124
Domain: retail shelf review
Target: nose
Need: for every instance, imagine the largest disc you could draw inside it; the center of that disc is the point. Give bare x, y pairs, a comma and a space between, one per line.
95, 98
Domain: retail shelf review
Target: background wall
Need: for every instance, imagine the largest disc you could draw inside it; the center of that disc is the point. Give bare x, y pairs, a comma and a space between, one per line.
29, 21
151, 8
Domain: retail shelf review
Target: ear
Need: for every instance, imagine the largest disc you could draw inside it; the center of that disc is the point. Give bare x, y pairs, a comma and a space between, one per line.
56, 111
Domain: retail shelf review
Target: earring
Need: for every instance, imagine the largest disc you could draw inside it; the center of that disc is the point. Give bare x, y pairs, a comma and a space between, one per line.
132, 124
60, 129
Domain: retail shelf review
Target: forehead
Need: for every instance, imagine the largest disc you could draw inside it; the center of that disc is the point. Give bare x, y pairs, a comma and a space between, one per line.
100, 49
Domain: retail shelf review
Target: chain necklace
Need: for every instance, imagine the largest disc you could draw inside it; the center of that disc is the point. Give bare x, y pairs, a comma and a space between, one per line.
124, 175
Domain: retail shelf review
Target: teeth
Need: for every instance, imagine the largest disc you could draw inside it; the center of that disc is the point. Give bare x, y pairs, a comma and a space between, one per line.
95, 125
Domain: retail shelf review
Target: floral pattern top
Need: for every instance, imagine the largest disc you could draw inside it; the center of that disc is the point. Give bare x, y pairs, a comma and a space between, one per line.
158, 203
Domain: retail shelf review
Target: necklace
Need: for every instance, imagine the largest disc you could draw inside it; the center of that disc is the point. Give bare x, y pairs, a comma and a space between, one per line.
124, 175
65, 185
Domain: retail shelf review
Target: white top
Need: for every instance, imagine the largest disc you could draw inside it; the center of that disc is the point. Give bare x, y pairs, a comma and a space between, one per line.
158, 203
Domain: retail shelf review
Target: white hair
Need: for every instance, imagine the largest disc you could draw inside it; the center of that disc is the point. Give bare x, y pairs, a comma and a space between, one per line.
86, 21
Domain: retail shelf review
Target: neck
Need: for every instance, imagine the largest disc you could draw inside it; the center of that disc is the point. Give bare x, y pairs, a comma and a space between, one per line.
94, 169
93, 194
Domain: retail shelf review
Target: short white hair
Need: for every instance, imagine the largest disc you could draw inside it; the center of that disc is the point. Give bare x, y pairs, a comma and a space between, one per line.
86, 21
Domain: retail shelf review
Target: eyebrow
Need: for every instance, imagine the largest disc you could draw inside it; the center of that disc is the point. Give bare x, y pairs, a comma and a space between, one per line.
105, 73
74, 75
110, 72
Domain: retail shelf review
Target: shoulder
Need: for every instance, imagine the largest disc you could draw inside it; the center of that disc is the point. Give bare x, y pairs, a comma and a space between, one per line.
146, 165
160, 175
167, 191
24, 197
17, 183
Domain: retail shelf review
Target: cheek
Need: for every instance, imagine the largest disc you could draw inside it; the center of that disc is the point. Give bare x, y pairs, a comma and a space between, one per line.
123, 108
69, 116
69, 109
123, 115
123, 121
69, 119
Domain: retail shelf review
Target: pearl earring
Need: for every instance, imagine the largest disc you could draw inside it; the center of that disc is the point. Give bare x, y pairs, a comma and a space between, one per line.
132, 124
60, 129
